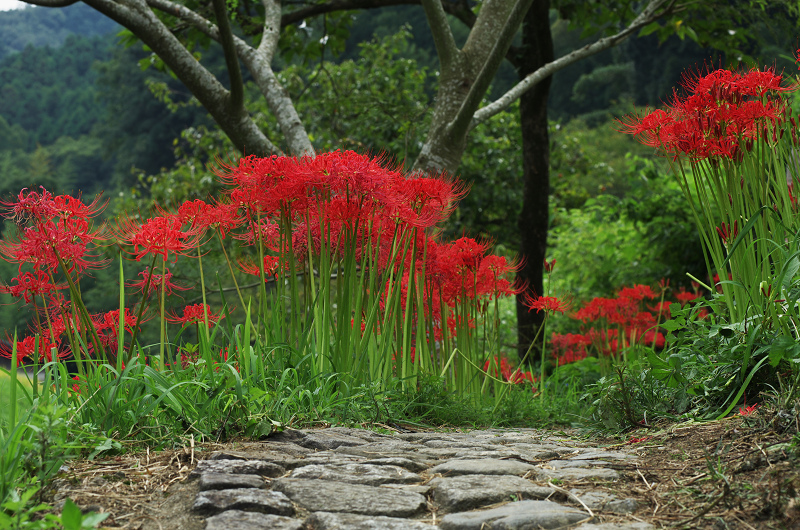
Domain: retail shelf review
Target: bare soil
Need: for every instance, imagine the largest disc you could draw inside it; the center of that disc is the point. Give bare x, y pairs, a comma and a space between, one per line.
737, 473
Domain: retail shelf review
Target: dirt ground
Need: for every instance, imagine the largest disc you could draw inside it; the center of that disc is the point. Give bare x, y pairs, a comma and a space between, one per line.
737, 473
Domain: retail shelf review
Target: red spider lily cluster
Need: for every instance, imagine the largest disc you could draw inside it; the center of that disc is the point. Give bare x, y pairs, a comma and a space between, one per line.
721, 113
285, 213
509, 374
632, 317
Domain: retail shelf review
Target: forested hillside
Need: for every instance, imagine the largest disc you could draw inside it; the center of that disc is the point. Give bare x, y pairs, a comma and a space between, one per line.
39, 26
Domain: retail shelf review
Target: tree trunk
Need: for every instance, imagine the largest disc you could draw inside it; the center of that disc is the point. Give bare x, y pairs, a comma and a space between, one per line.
536, 51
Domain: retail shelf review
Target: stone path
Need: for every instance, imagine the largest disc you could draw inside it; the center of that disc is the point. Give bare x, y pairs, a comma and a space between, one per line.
355, 479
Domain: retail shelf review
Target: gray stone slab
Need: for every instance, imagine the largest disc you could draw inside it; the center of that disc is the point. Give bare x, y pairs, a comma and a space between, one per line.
224, 481
636, 525
486, 466
239, 520
471, 444
367, 474
422, 489
440, 453
606, 455
414, 466
467, 492
240, 467
364, 434
329, 496
339, 521
595, 500
246, 499
324, 441
621, 506
594, 474
515, 516
561, 464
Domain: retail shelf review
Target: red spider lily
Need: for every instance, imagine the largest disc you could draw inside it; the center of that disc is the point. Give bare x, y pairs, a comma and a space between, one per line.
156, 283
269, 236
596, 309
157, 236
747, 411
637, 293
722, 109
685, 297
271, 267
30, 284
548, 265
545, 303
195, 314
26, 348
492, 277
47, 242
569, 347
634, 440
515, 376
727, 233
661, 308
29, 204
426, 201
654, 338
201, 216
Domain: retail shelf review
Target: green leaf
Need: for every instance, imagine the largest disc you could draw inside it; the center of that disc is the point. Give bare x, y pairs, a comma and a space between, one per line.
71, 516
650, 28
93, 519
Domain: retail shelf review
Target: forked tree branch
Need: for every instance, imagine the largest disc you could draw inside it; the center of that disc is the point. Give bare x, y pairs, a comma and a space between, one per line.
651, 12
231, 59
481, 83
443, 39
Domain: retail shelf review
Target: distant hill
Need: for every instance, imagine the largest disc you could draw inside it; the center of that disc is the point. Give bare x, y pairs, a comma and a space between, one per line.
42, 26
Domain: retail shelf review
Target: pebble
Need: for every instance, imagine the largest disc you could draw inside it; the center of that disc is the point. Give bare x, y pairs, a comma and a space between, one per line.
354, 479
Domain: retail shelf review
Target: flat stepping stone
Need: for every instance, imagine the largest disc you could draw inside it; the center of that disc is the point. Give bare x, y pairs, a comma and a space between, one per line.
367, 474
330, 496
484, 466
466, 492
406, 463
515, 515
577, 474
596, 455
338, 521
213, 502
224, 481
638, 525
239, 467
239, 520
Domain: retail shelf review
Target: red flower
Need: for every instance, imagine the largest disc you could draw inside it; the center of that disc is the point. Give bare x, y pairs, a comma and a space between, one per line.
685, 297
160, 236
727, 233
721, 109
193, 314
156, 281
747, 411
30, 285
545, 303
271, 265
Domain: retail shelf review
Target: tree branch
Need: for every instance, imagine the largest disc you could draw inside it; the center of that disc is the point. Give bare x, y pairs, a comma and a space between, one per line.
231, 60
258, 63
648, 15
51, 3
271, 31
446, 47
481, 83
461, 10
